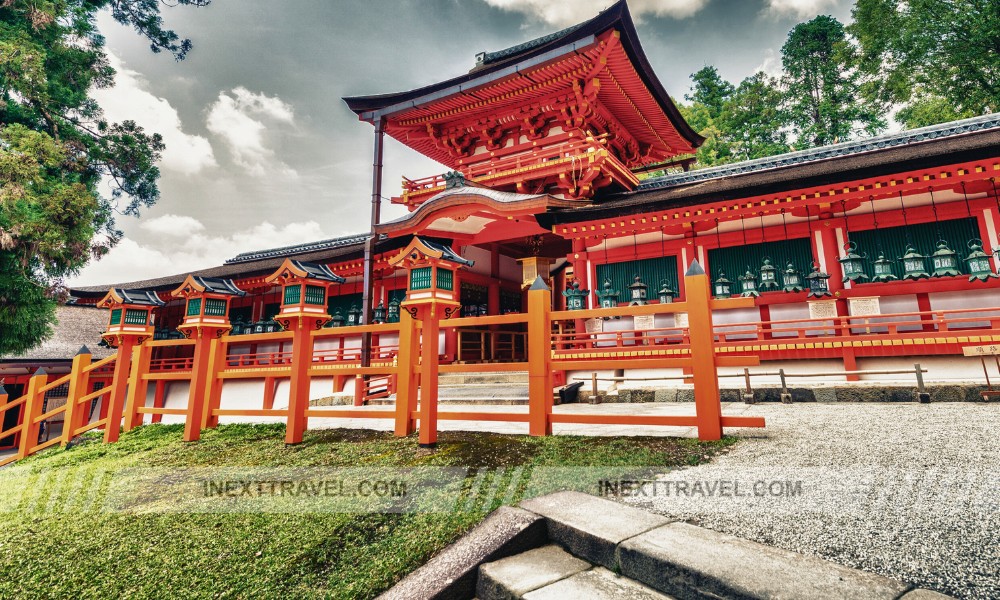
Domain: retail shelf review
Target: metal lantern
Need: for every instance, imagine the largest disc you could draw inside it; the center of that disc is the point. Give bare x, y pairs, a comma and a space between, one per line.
666, 294
575, 297
883, 269
945, 261
379, 312
853, 264
793, 279
393, 314
722, 286
748, 285
270, 326
337, 320
354, 315
637, 291
978, 262
818, 286
768, 276
913, 264
608, 297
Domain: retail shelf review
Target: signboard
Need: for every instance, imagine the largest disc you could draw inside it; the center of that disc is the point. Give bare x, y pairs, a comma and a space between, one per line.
643, 322
865, 307
595, 325
987, 350
681, 319
823, 309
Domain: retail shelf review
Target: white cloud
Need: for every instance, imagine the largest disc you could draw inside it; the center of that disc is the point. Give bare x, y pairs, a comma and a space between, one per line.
771, 64
563, 14
134, 261
130, 99
240, 118
800, 9
179, 225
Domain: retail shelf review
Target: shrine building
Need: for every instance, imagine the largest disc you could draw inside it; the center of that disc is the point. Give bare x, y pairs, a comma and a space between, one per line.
863, 255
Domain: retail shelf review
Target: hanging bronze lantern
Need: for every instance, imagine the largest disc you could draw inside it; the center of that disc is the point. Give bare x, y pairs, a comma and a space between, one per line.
883, 269
723, 287
666, 293
945, 261
853, 264
748, 285
978, 262
818, 285
608, 297
913, 264
379, 312
638, 291
768, 276
575, 296
354, 315
793, 279
337, 320
392, 315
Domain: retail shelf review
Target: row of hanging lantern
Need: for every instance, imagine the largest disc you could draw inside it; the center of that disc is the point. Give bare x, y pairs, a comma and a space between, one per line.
944, 260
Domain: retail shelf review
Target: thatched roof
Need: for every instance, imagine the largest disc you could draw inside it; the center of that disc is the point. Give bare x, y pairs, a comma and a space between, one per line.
77, 326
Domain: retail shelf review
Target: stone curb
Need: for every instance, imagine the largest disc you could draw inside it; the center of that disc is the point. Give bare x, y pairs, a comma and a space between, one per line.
452, 573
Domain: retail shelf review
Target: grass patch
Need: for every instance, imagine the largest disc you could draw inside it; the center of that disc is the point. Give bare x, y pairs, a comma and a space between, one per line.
50, 550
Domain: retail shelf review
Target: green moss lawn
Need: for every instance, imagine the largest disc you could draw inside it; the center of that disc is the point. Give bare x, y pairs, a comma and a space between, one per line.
56, 541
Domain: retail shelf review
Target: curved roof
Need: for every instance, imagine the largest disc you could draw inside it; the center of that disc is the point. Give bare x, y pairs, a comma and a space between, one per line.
503, 63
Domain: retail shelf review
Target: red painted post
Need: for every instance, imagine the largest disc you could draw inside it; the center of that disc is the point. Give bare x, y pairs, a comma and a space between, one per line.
213, 384
32, 410
429, 380
196, 390
539, 359
119, 384
159, 399
137, 386
78, 385
298, 391
408, 380
706, 381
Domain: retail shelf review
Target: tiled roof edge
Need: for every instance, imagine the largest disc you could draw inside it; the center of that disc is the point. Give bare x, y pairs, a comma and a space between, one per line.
880, 142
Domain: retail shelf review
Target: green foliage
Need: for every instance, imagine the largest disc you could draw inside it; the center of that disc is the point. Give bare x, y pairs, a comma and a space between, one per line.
88, 549
56, 149
929, 110
821, 86
941, 58
754, 119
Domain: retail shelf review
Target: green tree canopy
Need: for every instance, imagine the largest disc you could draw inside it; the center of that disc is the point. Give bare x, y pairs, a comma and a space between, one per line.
940, 58
821, 86
56, 148
754, 119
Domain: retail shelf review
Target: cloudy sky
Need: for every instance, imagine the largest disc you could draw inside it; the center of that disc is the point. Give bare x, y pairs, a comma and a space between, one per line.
261, 151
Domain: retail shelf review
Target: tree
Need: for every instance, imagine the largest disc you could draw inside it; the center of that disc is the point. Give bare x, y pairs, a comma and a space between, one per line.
941, 58
822, 99
56, 148
709, 94
753, 120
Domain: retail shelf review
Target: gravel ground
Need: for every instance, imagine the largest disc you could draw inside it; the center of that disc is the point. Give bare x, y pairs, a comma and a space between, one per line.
910, 491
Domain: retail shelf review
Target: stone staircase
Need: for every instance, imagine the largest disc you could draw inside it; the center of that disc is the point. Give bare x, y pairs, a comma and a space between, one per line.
470, 389
572, 545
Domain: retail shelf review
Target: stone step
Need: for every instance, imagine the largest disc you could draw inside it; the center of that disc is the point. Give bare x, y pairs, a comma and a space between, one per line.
502, 377
515, 576
597, 583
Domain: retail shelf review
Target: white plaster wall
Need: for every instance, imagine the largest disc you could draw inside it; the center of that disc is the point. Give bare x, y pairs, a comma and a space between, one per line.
965, 300
586, 375
648, 378
951, 369
482, 258
175, 396
721, 318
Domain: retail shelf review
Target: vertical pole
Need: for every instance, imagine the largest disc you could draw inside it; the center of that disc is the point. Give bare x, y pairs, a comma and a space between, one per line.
78, 384
137, 386
116, 397
539, 359
298, 390
269, 391
851, 364
367, 293
406, 363
159, 399
196, 390
213, 385
429, 379
706, 381
32, 410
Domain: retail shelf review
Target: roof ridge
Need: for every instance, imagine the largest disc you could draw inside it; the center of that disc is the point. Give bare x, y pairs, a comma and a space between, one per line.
853, 147
297, 248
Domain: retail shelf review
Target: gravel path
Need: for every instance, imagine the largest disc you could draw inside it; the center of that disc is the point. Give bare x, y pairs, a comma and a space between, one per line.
910, 491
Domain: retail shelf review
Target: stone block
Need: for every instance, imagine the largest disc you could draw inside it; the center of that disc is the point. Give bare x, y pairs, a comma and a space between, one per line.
925, 595
512, 577
591, 527
686, 561
451, 574
596, 584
